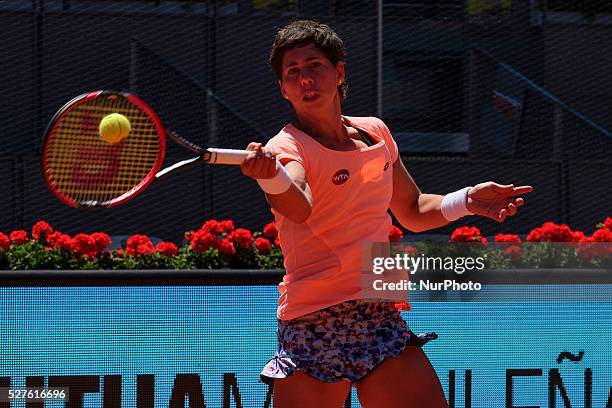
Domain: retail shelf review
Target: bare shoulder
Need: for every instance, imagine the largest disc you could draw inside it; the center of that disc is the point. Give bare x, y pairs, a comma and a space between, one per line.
368, 123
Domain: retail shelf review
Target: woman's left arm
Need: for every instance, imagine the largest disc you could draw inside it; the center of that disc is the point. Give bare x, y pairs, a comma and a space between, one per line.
414, 210
419, 212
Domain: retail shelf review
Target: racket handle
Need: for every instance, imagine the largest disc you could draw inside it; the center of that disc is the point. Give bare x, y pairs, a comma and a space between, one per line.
227, 156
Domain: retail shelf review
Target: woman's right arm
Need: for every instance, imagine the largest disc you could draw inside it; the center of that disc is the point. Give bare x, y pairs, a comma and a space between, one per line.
296, 202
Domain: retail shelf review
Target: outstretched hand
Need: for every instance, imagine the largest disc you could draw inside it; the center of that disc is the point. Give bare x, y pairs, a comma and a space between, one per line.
496, 201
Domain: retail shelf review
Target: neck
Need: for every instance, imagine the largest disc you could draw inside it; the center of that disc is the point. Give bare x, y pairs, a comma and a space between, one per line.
325, 126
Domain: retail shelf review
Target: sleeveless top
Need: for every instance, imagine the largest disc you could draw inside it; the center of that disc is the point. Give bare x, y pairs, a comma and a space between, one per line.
351, 192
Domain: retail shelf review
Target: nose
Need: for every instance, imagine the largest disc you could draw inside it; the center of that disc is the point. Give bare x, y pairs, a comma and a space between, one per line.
305, 78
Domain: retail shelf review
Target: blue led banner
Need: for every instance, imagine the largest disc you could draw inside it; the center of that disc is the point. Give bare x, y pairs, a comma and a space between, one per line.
145, 346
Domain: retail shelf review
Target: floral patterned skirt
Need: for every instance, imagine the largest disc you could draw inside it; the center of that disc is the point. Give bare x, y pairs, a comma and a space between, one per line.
342, 342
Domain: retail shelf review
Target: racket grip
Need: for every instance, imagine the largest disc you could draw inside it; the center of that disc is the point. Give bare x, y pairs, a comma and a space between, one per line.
227, 156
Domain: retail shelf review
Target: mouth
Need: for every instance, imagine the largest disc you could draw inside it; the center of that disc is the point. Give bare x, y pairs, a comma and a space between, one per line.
310, 96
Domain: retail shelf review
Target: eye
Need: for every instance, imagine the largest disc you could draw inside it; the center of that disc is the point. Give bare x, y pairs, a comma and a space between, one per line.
315, 64
291, 71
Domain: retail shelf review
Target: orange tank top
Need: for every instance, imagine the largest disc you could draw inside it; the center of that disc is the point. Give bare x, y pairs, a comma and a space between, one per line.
351, 192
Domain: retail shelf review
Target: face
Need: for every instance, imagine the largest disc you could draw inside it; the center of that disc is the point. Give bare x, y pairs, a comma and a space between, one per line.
309, 79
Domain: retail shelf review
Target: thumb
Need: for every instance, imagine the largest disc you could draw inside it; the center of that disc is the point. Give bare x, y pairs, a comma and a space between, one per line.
254, 146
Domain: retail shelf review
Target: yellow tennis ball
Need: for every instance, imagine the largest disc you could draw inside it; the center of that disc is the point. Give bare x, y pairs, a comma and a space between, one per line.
114, 128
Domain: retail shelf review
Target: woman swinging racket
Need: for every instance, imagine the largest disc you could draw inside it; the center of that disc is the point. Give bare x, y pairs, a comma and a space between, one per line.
343, 176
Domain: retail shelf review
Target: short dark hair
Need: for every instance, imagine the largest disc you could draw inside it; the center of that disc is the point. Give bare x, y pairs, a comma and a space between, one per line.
301, 33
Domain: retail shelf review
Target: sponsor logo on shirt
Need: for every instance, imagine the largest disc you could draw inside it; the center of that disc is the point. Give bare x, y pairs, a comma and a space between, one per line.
340, 177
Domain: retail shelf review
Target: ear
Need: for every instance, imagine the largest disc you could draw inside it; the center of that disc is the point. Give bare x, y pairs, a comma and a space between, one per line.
283, 93
340, 72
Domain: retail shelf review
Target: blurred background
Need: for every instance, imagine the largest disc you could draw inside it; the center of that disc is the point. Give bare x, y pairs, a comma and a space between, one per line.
473, 90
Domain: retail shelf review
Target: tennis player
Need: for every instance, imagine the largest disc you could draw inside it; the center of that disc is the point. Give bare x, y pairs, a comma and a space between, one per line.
344, 175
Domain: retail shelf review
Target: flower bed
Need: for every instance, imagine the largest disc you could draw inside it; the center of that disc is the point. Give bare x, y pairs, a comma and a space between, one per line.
220, 245
549, 246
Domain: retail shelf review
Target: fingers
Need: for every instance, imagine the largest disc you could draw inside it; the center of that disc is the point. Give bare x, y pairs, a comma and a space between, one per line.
501, 188
521, 190
509, 210
502, 199
508, 189
254, 146
260, 163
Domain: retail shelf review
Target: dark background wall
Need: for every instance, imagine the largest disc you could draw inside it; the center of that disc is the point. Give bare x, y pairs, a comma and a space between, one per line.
560, 146
579, 67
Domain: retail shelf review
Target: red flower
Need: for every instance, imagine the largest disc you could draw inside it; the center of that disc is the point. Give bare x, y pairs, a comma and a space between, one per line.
551, 232
139, 244
602, 235
557, 233
59, 240
167, 248
41, 230
395, 234
5, 243
277, 242
608, 223
577, 236
263, 245
85, 245
270, 231
145, 249
468, 234
19, 237
102, 240
211, 226
51, 238
513, 250
535, 235
242, 237
202, 240
225, 226
119, 252
508, 238
226, 247
406, 249
588, 248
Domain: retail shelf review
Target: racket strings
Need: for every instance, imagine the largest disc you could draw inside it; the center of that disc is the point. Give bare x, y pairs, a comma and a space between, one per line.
92, 171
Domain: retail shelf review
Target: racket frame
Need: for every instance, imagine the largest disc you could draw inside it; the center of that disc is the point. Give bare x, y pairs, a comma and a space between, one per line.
137, 189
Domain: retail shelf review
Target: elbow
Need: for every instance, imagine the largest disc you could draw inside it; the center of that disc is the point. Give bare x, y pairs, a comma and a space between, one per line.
300, 213
304, 212
412, 226
300, 217
295, 207
298, 220
415, 228
408, 217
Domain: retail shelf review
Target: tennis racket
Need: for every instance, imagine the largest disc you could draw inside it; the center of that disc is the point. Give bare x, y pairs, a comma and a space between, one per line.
83, 170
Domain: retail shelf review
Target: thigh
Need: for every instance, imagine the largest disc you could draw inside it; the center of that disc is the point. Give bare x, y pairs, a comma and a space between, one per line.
408, 380
303, 391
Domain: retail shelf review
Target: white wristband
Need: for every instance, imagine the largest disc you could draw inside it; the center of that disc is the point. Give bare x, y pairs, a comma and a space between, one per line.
277, 184
454, 205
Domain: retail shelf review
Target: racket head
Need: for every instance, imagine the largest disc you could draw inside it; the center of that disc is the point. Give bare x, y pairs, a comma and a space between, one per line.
83, 170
